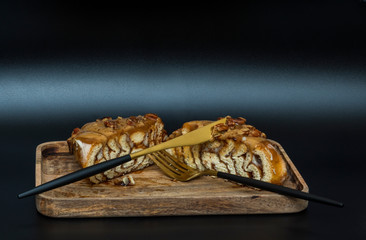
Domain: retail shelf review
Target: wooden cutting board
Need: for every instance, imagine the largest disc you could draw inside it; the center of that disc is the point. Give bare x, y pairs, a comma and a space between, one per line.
154, 194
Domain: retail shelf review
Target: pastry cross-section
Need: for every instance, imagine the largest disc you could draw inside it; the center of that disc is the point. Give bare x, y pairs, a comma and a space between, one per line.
109, 138
236, 148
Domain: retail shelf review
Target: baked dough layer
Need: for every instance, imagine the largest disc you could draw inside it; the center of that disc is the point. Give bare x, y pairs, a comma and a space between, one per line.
237, 148
109, 138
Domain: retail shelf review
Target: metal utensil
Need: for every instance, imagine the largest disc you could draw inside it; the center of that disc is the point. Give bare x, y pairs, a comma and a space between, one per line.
180, 171
198, 136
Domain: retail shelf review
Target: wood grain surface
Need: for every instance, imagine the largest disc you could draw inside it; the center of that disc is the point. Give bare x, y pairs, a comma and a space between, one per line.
154, 194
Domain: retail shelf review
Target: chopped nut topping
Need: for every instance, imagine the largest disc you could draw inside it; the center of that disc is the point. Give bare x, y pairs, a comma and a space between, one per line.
151, 116
110, 123
75, 131
222, 127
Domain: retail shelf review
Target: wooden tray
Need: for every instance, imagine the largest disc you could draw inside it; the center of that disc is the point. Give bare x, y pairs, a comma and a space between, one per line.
154, 194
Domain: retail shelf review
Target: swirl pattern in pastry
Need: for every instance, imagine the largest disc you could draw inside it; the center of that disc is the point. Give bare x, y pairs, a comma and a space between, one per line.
109, 138
237, 148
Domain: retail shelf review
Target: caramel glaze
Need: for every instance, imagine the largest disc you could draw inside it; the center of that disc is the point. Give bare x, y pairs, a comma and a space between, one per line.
255, 141
278, 165
105, 128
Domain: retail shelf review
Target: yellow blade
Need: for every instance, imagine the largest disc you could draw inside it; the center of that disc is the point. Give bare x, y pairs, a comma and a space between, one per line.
197, 136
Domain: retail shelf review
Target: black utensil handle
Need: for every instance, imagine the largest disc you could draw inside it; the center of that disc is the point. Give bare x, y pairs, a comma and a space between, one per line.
279, 189
76, 176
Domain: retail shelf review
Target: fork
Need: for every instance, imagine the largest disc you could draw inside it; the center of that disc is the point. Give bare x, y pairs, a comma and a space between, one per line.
197, 136
180, 171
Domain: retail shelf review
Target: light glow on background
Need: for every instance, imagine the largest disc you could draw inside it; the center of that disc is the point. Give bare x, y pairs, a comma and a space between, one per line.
64, 91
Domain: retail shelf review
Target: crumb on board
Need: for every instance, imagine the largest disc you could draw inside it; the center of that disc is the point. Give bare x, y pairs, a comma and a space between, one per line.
128, 181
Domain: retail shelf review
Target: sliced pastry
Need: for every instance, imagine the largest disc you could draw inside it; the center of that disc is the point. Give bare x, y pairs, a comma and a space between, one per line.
237, 148
109, 138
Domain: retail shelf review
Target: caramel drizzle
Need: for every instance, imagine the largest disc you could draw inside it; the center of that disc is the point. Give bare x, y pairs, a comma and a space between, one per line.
275, 158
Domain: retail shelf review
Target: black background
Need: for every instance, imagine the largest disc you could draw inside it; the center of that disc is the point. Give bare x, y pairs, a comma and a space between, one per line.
294, 69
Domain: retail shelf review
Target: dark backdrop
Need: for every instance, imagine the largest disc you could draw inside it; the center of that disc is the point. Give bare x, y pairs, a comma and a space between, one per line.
294, 69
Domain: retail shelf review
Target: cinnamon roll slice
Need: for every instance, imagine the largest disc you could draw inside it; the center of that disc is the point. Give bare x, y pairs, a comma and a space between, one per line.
237, 148
109, 138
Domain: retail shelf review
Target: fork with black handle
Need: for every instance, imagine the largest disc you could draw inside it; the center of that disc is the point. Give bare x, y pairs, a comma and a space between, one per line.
180, 171
197, 136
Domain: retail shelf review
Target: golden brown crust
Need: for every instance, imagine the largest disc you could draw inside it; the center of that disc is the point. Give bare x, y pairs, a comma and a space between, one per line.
237, 148
109, 138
